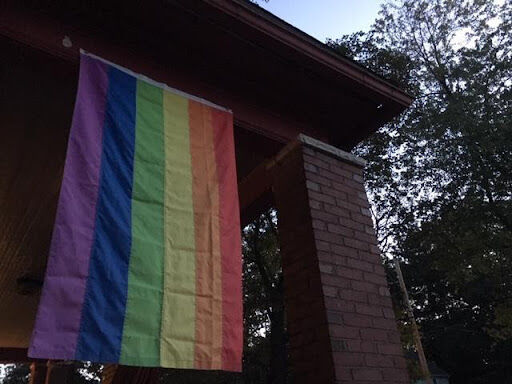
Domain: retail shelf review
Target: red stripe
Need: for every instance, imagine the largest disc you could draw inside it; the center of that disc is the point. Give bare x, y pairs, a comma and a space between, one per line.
230, 241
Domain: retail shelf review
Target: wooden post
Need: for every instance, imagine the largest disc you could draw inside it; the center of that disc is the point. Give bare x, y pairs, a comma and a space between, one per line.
415, 331
38, 373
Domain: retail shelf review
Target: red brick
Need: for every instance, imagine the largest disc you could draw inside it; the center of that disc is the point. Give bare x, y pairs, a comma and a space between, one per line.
353, 345
349, 273
355, 185
361, 265
348, 206
364, 286
318, 224
353, 243
340, 186
374, 278
310, 167
374, 360
339, 170
340, 230
355, 169
357, 320
351, 295
339, 212
366, 212
340, 319
328, 174
312, 186
394, 337
316, 178
368, 374
330, 291
324, 216
390, 349
359, 218
384, 323
381, 301
365, 237
315, 204
334, 317
334, 281
316, 161
368, 346
358, 178
374, 334
342, 373
374, 249
344, 331
351, 224
326, 268
345, 251
349, 359
371, 310
328, 190
329, 237
339, 304
322, 197
369, 230
322, 245
370, 258
388, 313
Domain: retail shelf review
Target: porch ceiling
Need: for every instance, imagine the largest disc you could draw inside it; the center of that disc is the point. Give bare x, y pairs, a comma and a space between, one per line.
233, 47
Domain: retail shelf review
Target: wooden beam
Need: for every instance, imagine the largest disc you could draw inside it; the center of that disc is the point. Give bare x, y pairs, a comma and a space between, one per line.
255, 190
13, 355
16, 355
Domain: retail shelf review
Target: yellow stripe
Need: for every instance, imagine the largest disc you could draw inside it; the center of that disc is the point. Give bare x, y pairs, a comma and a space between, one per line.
179, 306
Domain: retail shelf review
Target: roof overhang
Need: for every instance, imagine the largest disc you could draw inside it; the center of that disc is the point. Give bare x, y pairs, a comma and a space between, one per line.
274, 27
243, 53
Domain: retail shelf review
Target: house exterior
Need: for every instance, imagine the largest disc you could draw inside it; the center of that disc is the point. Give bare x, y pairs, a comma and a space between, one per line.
298, 107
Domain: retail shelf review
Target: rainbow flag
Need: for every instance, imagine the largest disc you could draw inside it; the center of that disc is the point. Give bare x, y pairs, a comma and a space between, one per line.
145, 260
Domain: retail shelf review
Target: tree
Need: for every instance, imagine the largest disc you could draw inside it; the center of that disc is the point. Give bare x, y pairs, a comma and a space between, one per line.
16, 374
440, 178
265, 355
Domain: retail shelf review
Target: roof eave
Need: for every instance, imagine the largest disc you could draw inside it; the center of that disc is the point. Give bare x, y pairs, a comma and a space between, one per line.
258, 18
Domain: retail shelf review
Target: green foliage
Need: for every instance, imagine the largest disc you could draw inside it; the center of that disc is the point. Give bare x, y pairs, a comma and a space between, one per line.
440, 175
85, 372
264, 329
16, 374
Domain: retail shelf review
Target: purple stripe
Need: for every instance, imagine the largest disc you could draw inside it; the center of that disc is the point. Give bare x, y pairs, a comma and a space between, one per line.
58, 318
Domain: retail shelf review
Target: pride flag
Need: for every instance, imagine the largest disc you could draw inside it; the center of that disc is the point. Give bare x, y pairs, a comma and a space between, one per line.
145, 259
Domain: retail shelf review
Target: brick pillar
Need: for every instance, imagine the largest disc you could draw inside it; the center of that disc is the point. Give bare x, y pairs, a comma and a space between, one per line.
340, 321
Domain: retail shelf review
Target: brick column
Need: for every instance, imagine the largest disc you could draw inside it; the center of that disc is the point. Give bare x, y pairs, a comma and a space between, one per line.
340, 321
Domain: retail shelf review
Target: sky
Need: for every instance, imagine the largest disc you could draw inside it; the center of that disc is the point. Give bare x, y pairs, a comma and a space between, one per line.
324, 19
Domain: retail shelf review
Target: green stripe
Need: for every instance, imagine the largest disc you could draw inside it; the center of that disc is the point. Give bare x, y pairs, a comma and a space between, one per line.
141, 335
179, 307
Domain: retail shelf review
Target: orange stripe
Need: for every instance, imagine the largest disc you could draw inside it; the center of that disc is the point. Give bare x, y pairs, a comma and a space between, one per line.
207, 353
231, 249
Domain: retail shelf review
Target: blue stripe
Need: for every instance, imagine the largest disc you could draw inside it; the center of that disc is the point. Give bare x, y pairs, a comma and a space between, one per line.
105, 299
